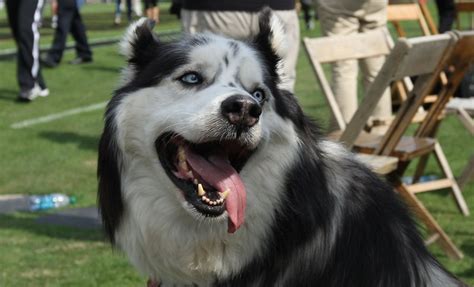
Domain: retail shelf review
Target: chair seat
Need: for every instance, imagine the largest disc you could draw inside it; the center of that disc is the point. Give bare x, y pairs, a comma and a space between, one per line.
407, 148
378, 163
466, 104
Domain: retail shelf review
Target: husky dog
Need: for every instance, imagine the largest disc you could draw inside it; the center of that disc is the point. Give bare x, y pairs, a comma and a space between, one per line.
210, 175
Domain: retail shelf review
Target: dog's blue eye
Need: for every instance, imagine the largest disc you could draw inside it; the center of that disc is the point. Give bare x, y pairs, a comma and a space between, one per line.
191, 78
259, 95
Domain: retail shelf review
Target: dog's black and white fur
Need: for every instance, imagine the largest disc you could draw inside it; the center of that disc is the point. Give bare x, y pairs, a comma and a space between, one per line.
314, 216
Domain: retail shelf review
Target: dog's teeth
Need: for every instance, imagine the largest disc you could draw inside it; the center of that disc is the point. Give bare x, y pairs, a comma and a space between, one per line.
195, 181
183, 165
206, 199
181, 154
201, 191
225, 194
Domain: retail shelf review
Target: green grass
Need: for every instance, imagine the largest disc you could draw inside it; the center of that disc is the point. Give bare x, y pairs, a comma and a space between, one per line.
98, 19
60, 156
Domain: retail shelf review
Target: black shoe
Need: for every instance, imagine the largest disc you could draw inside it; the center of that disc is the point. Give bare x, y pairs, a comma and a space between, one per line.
48, 62
79, 60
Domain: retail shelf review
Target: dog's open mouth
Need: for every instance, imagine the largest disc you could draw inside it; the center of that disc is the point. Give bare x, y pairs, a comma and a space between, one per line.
207, 174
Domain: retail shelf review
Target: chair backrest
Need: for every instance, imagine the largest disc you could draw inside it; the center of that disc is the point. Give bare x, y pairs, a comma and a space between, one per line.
407, 12
338, 48
459, 62
422, 57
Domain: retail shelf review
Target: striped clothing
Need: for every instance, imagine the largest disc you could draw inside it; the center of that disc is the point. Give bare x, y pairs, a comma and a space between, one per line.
24, 17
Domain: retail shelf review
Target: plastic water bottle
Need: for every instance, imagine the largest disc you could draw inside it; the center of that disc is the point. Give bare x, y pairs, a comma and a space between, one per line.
48, 201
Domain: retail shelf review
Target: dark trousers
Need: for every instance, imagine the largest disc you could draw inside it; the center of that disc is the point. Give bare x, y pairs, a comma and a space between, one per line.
24, 17
446, 13
129, 8
69, 20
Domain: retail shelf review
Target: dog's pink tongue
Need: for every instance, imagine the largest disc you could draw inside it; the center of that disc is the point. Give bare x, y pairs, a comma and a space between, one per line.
218, 172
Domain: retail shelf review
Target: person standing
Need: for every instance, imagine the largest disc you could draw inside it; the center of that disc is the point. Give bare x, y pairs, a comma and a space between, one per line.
346, 17
118, 11
239, 19
24, 17
446, 14
69, 20
152, 10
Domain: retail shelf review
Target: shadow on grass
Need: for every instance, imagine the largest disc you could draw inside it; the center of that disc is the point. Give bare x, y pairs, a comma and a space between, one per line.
82, 141
8, 95
468, 249
113, 70
29, 224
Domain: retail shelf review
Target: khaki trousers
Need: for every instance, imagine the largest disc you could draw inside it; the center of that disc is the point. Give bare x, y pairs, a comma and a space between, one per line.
344, 21
242, 25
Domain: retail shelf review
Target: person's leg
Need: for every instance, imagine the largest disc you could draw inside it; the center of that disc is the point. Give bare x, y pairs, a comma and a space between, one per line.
118, 12
148, 7
376, 19
306, 13
65, 16
78, 31
447, 14
129, 10
12, 14
29, 14
344, 73
156, 14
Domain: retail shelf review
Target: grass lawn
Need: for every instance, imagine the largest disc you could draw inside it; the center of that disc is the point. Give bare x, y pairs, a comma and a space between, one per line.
60, 156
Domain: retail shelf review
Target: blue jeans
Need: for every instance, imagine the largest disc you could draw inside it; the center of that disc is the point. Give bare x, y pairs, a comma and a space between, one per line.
129, 8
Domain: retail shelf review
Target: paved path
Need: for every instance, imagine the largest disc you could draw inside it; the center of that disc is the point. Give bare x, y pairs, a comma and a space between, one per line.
75, 217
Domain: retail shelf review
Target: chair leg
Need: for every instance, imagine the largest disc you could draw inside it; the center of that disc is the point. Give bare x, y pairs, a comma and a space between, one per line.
420, 168
443, 163
424, 215
467, 174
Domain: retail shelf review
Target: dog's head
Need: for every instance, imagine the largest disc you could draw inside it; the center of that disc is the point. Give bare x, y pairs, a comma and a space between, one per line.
189, 116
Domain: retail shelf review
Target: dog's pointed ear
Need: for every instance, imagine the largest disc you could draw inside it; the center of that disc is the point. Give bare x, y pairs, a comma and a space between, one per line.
273, 31
271, 39
140, 44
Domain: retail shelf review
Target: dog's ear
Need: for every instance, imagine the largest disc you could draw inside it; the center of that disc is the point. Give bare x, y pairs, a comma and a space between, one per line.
271, 39
109, 196
140, 44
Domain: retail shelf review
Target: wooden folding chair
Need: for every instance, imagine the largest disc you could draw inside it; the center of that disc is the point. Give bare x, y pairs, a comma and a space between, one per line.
410, 12
397, 13
464, 109
462, 59
424, 57
464, 6
324, 50
408, 148
408, 58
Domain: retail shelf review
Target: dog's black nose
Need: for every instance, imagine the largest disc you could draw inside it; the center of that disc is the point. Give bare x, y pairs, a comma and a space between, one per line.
241, 110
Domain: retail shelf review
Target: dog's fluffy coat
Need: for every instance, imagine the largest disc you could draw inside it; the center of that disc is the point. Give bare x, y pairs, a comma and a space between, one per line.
314, 216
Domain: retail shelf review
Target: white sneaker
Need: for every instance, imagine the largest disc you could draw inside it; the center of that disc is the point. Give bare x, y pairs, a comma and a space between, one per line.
29, 95
117, 20
54, 22
44, 92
